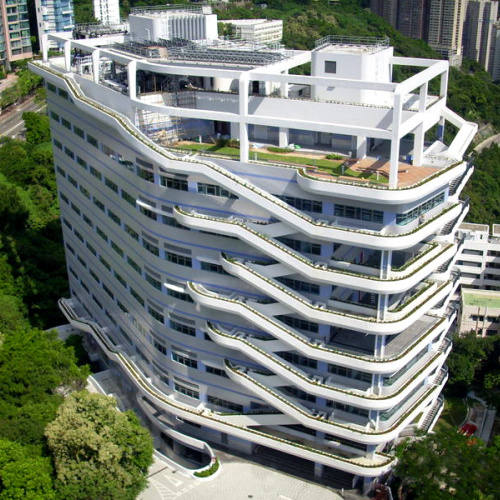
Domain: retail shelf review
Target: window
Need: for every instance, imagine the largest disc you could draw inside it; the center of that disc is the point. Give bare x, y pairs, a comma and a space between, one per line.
174, 183
60, 171
72, 181
213, 268
79, 236
407, 217
298, 359
191, 392
170, 221
151, 248
159, 347
216, 371
57, 144
179, 295
133, 264
131, 232
81, 261
70, 248
181, 260
96, 173
64, 198
54, 116
120, 279
114, 217
158, 316
298, 393
81, 162
79, 132
359, 213
301, 286
128, 198
225, 404
179, 327
330, 66
69, 153
94, 275
75, 209
92, 250
117, 249
63, 93
347, 408
87, 221
101, 233
92, 141
214, 190
302, 204
108, 291
122, 307
105, 263
99, 204
148, 213
184, 360
350, 373
153, 281
111, 185
65, 123
301, 246
137, 297
145, 174
85, 192
301, 324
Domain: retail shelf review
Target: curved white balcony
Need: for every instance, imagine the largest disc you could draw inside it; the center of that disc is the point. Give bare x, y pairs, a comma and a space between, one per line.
304, 345
363, 466
244, 188
389, 396
379, 193
354, 317
399, 281
320, 422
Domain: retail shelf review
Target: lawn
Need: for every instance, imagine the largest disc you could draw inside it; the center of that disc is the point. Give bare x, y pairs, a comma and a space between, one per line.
454, 413
332, 167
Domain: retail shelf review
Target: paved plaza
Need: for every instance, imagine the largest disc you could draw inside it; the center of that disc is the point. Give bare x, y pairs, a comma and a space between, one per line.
237, 479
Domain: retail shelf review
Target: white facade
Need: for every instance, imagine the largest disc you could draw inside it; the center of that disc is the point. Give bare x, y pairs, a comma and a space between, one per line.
55, 17
257, 30
265, 307
107, 12
191, 23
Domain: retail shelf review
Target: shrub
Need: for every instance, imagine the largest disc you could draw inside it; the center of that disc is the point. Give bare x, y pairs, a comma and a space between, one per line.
211, 470
278, 150
334, 157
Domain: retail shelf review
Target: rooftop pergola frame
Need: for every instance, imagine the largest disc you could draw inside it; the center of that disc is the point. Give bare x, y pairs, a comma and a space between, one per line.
391, 121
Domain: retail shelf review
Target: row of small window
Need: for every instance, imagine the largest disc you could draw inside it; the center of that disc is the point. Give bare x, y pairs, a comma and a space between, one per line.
302, 204
304, 396
358, 213
411, 215
490, 319
301, 286
469, 263
57, 90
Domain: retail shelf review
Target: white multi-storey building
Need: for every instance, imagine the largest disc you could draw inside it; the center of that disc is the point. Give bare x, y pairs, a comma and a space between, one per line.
107, 12
256, 304
257, 30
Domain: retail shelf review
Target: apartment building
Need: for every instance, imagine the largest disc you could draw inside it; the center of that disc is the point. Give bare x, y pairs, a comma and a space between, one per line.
271, 307
15, 42
107, 12
257, 30
54, 16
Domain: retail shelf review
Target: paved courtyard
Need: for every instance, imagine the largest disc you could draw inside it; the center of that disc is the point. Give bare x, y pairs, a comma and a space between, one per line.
237, 479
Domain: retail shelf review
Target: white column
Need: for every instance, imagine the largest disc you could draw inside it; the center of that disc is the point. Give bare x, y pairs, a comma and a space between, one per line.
243, 113
396, 123
418, 144
284, 87
67, 55
283, 137
95, 64
359, 145
132, 79
422, 100
444, 85
44, 42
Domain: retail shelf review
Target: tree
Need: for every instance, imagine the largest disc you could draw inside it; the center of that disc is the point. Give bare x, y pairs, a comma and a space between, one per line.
37, 127
23, 477
98, 452
448, 465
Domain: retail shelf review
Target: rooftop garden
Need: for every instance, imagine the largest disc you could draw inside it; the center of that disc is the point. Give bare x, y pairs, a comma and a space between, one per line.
330, 164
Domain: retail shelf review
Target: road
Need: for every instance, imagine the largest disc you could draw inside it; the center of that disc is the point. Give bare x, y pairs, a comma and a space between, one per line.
494, 139
11, 121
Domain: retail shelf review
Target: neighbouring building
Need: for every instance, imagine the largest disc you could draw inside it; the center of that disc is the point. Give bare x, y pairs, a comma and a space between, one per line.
286, 312
445, 32
478, 38
257, 30
55, 16
480, 312
15, 37
107, 12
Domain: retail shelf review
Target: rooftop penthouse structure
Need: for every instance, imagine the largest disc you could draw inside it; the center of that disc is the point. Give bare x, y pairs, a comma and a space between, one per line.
278, 303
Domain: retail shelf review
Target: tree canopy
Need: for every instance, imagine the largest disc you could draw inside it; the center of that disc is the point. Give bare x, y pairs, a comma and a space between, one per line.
98, 452
450, 465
